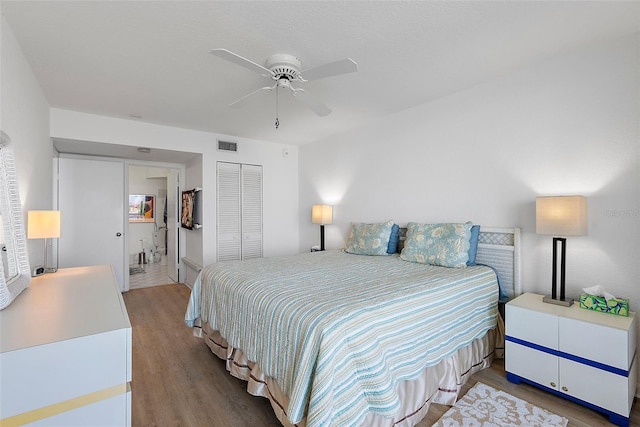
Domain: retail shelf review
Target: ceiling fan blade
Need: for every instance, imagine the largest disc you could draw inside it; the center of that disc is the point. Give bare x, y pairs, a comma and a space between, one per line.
310, 101
240, 102
239, 60
343, 66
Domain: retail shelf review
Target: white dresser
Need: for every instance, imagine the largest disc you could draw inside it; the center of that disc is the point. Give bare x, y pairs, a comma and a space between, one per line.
582, 355
65, 352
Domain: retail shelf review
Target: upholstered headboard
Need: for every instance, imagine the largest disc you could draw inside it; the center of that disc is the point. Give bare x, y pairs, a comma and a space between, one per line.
500, 249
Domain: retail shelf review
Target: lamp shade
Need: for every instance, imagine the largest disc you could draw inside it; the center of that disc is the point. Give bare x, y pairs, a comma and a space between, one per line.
322, 214
561, 215
43, 224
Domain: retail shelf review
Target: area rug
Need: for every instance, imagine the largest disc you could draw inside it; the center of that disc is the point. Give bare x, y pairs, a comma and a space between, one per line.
484, 406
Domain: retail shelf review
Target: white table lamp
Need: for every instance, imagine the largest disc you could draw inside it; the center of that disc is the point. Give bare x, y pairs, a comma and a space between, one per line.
43, 225
323, 215
560, 216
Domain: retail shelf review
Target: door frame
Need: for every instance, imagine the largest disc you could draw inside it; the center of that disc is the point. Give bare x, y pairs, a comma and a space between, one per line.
181, 168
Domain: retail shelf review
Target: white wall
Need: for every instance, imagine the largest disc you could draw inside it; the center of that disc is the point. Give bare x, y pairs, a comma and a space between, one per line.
280, 173
566, 126
24, 116
194, 238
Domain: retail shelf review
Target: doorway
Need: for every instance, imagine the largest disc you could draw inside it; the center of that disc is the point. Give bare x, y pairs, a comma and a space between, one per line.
152, 232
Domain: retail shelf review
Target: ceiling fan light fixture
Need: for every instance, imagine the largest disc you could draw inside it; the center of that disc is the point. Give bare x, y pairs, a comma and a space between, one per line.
284, 82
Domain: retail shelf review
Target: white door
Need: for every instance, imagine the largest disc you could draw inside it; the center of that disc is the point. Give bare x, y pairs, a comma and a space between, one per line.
229, 219
92, 215
251, 211
173, 185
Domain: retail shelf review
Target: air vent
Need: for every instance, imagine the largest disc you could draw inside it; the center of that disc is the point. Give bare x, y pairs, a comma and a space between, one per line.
227, 146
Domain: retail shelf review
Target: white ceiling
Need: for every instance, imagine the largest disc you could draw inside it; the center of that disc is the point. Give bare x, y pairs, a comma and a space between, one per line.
151, 58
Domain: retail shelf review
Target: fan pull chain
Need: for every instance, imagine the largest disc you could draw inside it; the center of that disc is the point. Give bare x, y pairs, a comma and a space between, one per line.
277, 92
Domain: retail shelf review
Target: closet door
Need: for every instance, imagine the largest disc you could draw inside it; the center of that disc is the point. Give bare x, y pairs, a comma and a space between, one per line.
239, 211
251, 211
229, 208
92, 213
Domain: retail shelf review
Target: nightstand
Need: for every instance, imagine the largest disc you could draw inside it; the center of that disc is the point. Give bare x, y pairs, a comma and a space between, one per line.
581, 355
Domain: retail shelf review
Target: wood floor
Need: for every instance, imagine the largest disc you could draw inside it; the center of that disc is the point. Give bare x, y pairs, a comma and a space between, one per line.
177, 381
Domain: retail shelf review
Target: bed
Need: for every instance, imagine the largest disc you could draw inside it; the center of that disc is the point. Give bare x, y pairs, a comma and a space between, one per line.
338, 338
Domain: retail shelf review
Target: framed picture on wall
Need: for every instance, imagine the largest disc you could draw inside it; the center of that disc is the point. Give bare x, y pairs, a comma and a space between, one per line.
188, 203
142, 208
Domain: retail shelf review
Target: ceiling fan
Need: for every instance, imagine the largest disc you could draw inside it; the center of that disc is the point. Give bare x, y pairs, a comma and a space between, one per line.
285, 69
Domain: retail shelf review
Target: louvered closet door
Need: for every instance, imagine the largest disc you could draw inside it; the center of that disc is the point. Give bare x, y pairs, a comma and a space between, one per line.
239, 211
251, 211
229, 237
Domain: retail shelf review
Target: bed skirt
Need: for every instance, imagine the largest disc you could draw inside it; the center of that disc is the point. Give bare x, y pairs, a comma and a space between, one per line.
440, 383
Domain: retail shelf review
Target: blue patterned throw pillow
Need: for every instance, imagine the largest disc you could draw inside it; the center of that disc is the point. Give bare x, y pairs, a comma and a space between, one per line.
394, 239
369, 239
445, 245
473, 244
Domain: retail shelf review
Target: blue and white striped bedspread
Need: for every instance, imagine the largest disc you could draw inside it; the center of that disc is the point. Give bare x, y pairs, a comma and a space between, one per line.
339, 331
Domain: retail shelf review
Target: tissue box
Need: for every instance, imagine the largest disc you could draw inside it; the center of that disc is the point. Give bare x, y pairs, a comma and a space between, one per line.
618, 306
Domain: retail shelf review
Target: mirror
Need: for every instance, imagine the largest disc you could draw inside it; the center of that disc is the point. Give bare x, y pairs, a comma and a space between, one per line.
14, 268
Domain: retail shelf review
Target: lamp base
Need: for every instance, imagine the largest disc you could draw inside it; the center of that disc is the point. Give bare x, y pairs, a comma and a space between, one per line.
567, 302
